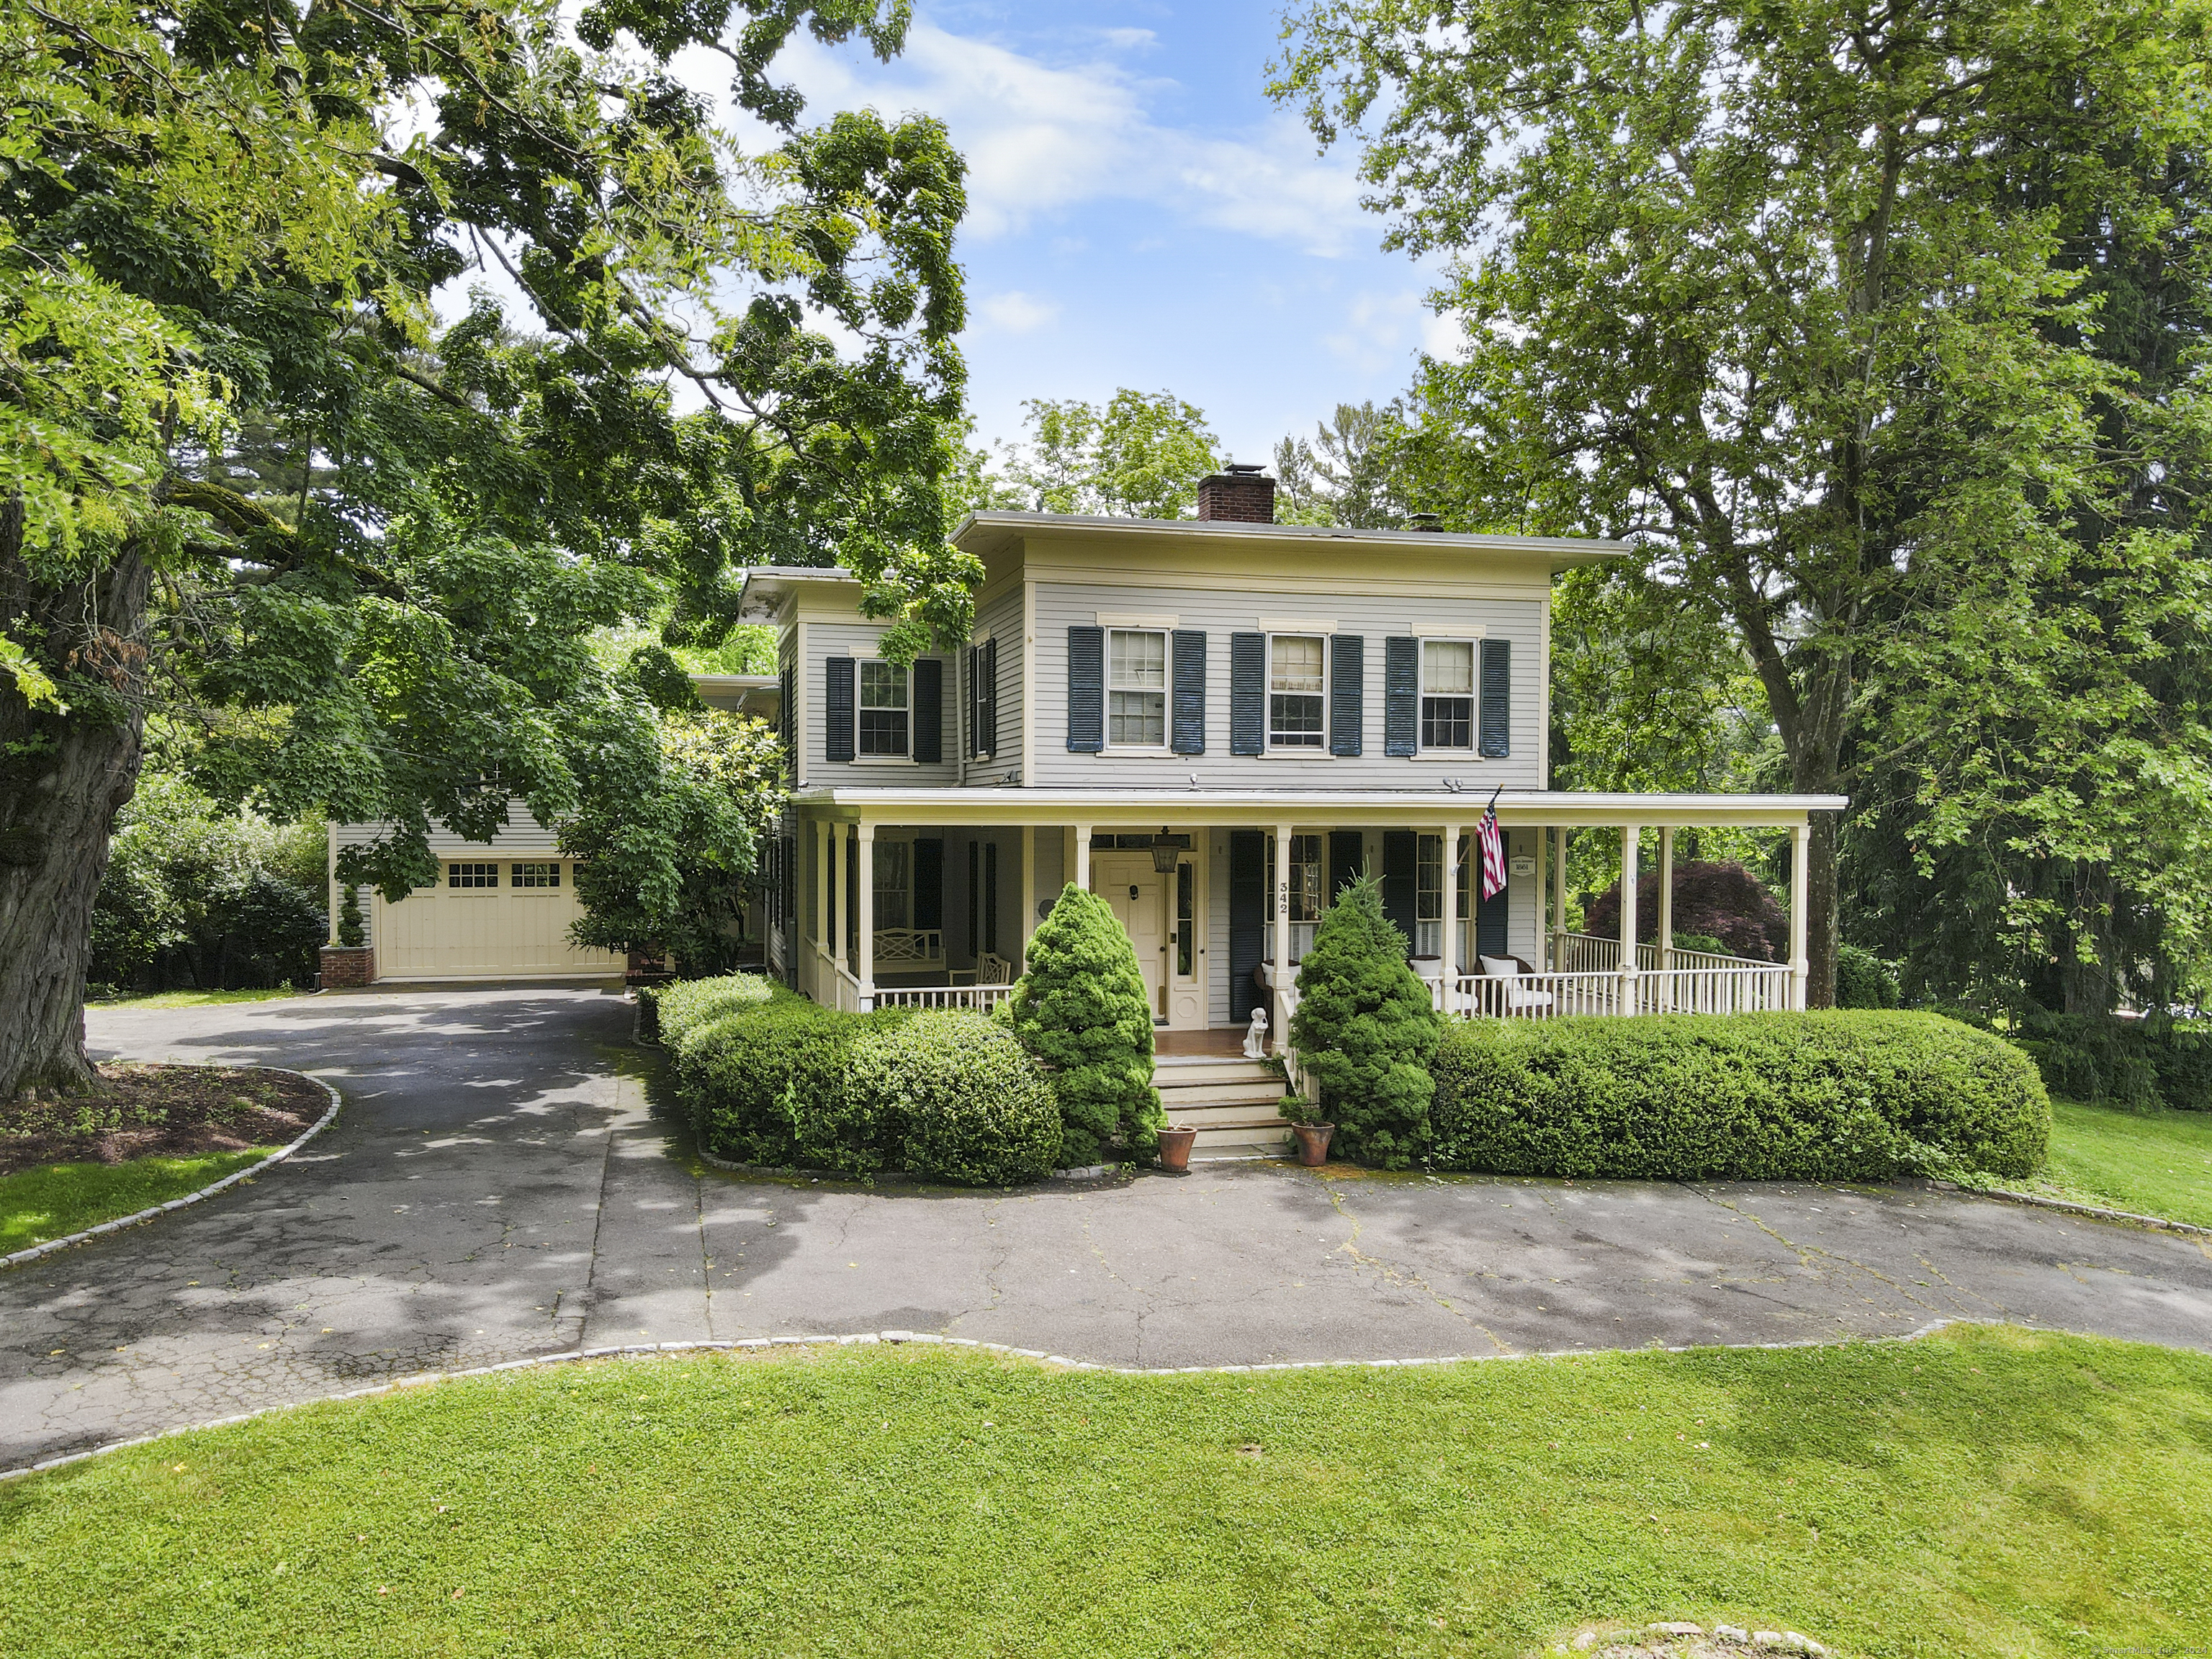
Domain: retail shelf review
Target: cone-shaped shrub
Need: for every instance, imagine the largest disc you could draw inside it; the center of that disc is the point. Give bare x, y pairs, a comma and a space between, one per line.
1366, 1028
1081, 1009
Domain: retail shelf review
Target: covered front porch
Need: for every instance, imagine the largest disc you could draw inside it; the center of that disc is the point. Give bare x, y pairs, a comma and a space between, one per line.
1220, 895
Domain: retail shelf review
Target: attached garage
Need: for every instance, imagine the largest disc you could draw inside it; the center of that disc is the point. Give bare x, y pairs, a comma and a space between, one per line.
500, 911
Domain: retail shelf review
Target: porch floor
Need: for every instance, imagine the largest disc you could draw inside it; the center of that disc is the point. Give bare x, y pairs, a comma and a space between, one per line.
1222, 1042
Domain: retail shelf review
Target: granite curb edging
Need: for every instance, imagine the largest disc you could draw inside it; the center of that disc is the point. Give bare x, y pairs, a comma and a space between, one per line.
900, 1177
640, 1350
35, 1251
2157, 1224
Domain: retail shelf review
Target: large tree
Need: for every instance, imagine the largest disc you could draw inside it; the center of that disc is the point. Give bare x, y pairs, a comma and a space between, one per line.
1754, 285
247, 475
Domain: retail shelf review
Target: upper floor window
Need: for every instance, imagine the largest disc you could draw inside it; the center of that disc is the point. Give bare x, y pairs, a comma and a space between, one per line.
1136, 689
1447, 693
884, 718
1298, 683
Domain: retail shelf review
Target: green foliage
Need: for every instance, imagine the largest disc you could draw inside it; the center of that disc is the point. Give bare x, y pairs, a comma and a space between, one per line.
2101, 1058
1365, 1029
196, 896
974, 1107
1877, 344
767, 1076
1818, 1096
1704, 942
54, 1200
1141, 456
2147, 1160
667, 836
1863, 980
351, 933
1347, 473
1082, 1010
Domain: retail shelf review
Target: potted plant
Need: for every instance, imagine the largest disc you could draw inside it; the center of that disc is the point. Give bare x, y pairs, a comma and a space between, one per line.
1175, 1148
1312, 1138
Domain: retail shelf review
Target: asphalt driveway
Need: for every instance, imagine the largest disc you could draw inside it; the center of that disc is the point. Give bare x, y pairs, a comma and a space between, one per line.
498, 1187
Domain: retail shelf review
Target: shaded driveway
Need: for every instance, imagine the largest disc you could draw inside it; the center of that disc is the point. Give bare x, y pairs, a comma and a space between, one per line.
497, 1187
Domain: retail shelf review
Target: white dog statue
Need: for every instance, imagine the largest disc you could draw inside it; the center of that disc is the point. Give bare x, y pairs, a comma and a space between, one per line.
1256, 1036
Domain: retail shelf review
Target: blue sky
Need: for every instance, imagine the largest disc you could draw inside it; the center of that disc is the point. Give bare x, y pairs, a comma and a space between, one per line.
1141, 215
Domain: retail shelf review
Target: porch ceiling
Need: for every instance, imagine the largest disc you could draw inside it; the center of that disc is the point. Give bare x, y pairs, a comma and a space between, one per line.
1138, 809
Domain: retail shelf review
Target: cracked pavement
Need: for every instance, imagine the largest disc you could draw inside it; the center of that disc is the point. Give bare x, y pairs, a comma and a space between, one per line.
498, 1186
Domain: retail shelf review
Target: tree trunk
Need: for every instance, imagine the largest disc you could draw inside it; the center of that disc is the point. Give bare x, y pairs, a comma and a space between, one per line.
62, 779
2088, 942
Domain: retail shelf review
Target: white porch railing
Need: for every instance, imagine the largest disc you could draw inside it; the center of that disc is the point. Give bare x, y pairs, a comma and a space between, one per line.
981, 998
1742, 987
835, 985
1593, 953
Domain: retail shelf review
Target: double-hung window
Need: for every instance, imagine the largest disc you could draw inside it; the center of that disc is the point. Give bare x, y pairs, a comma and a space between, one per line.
1448, 694
883, 714
1136, 689
1298, 687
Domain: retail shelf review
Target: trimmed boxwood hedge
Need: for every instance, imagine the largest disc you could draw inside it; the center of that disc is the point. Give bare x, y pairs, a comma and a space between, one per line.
767, 1076
1839, 1095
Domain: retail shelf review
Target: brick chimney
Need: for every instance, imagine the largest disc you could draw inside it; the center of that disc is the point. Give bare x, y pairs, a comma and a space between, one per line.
1242, 495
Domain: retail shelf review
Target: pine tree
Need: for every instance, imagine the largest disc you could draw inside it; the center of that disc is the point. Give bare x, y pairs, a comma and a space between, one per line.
1081, 1009
1365, 1028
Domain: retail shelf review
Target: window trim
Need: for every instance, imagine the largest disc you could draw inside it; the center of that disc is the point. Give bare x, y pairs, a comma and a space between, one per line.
1473, 747
1165, 692
860, 711
1320, 748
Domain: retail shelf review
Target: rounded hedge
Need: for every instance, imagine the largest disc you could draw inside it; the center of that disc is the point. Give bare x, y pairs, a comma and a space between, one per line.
1838, 1096
972, 1107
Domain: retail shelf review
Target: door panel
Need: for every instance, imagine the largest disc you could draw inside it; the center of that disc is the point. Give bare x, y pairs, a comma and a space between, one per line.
1138, 895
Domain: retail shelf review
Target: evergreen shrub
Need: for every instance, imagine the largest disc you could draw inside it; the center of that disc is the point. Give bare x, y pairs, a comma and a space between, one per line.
974, 1107
1365, 1028
1081, 1009
2106, 1060
1863, 980
1829, 1096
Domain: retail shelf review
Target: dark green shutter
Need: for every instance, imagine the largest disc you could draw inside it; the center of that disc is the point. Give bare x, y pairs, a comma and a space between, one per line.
929, 884
1401, 851
1086, 690
1489, 918
991, 709
1496, 738
1347, 693
1248, 919
788, 720
1401, 696
837, 708
1189, 737
1248, 694
1347, 856
929, 713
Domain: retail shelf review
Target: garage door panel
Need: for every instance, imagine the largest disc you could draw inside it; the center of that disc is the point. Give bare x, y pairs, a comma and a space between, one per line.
446, 932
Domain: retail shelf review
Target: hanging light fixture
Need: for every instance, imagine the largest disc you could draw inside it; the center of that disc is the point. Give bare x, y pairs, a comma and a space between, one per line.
1167, 852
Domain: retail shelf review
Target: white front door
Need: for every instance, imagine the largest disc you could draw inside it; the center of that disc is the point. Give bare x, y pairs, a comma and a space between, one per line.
1139, 895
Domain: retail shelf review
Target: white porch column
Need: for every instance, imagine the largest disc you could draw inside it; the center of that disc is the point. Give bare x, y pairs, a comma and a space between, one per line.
1630, 834
1666, 928
1277, 1012
1082, 856
841, 904
864, 883
1029, 898
1560, 899
1800, 846
822, 935
1450, 948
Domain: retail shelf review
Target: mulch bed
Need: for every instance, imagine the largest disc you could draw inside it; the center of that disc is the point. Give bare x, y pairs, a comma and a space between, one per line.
167, 1111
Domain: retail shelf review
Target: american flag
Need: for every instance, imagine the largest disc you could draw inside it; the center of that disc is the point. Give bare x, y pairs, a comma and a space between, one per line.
1493, 843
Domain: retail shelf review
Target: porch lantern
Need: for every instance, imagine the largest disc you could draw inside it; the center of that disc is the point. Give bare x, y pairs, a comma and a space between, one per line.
1167, 852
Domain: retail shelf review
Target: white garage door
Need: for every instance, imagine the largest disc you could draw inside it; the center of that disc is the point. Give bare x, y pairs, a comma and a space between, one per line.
487, 919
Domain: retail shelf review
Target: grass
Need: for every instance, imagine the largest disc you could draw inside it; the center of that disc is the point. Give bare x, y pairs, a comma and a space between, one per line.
55, 1199
2155, 1163
1985, 1491
194, 998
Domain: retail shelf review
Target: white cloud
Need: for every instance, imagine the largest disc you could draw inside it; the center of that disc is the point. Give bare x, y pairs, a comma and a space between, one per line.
1042, 138
1017, 313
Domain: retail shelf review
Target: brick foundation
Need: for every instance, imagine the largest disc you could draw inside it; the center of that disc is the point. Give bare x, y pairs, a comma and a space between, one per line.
345, 966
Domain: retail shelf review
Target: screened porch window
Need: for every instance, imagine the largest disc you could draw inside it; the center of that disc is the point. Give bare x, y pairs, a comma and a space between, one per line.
894, 883
1448, 694
1136, 689
1297, 682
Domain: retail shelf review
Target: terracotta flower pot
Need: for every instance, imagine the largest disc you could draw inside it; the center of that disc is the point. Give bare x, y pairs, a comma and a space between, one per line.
1175, 1149
1312, 1143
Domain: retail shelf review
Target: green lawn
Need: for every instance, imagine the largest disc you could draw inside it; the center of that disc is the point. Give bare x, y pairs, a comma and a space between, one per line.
56, 1199
194, 998
1982, 1492
2153, 1162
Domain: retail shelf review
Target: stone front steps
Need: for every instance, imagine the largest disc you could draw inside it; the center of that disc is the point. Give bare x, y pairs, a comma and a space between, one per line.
1231, 1102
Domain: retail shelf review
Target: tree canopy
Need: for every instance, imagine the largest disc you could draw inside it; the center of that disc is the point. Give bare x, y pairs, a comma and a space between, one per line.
255, 471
